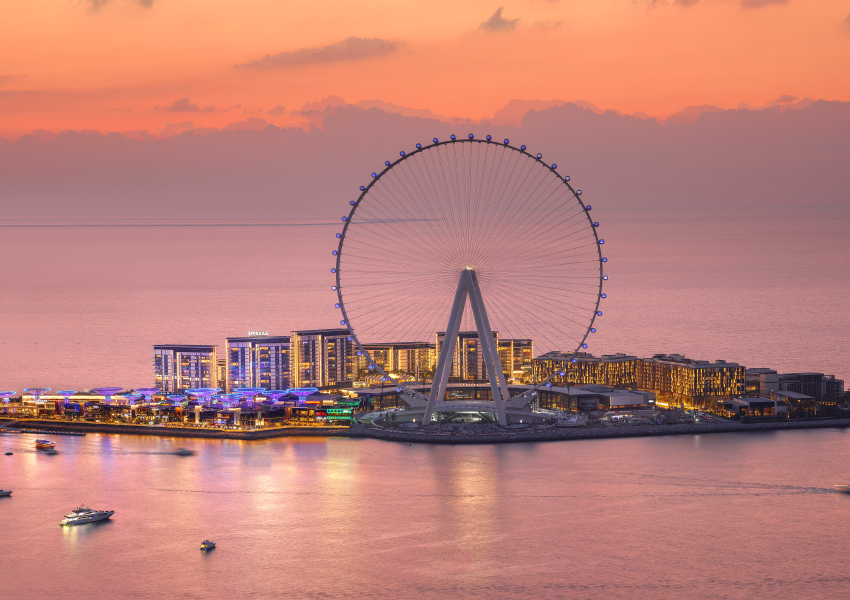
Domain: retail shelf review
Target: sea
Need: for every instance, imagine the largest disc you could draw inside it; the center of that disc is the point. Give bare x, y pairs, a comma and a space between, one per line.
737, 515
83, 302
731, 515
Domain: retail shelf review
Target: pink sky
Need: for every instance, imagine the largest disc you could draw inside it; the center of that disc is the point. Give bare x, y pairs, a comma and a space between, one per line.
120, 65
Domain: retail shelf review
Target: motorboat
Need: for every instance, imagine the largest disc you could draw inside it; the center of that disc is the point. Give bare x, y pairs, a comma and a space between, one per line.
5, 493
842, 488
8, 454
207, 545
45, 444
184, 452
83, 514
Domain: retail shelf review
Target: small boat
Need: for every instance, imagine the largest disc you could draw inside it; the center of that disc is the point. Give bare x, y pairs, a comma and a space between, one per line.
842, 488
44, 444
83, 514
5, 493
184, 452
8, 454
207, 545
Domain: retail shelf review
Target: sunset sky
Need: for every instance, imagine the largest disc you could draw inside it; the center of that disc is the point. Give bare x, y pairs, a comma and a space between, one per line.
121, 65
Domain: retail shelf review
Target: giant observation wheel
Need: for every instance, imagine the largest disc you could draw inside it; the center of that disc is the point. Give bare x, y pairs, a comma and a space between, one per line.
471, 235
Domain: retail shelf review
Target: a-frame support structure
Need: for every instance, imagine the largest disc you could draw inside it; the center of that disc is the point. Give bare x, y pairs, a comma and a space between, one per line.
467, 287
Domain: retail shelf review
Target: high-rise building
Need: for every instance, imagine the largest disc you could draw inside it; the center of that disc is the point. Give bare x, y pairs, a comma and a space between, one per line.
177, 367
323, 357
468, 361
416, 359
259, 361
221, 373
516, 356
612, 370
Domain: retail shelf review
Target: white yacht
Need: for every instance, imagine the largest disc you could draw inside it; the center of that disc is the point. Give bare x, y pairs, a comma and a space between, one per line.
83, 514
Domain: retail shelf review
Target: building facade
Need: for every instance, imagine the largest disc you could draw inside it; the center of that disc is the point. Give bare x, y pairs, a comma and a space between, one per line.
259, 361
177, 368
817, 385
468, 360
674, 378
416, 359
612, 370
323, 358
690, 382
516, 356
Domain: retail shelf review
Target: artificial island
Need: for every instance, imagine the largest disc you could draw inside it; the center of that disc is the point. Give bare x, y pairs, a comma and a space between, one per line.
488, 259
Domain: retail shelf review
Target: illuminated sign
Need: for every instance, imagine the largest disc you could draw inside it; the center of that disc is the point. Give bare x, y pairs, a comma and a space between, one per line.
257, 333
339, 411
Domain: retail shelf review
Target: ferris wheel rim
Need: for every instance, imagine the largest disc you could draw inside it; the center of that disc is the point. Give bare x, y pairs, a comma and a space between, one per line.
403, 156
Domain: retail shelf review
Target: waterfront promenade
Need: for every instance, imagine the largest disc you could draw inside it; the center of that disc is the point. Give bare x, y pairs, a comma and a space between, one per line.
362, 431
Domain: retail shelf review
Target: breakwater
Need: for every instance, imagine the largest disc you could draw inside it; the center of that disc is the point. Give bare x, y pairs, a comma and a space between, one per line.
360, 431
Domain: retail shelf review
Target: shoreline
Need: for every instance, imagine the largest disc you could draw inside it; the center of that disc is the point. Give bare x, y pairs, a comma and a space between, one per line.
401, 436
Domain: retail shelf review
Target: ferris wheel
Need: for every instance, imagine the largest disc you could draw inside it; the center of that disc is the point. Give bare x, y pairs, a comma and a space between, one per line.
469, 234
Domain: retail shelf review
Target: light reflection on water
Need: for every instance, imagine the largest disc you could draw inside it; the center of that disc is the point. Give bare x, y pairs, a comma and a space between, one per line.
662, 518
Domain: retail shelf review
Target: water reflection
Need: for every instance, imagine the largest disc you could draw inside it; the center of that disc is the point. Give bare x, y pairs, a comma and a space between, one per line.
318, 517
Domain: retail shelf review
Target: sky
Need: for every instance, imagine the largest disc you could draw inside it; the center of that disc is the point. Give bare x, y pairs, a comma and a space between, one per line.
165, 66
709, 135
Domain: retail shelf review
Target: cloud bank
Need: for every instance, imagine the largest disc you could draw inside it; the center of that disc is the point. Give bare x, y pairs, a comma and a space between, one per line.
351, 49
98, 4
761, 3
184, 105
498, 23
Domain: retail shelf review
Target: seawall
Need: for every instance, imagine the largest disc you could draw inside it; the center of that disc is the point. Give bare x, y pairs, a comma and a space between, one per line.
407, 437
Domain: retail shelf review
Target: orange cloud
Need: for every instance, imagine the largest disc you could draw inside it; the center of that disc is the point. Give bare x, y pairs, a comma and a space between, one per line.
498, 23
761, 3
110, 69
184, 105
350, 49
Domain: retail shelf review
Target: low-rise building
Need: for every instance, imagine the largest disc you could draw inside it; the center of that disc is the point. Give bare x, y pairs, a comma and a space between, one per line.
737, 408
817, 385
801, 405
613, 370
695, 383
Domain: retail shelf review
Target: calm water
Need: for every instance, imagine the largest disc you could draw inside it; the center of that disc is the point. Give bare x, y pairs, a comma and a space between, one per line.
81, 307
722, 516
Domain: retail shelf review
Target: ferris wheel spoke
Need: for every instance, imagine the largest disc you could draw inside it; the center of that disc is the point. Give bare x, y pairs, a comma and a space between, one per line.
469, 204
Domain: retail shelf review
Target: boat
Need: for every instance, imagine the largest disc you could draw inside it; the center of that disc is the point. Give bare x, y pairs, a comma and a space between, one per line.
207, 545
184, 452
5, 493
83, 514
8, 454
842, 488
44, 444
